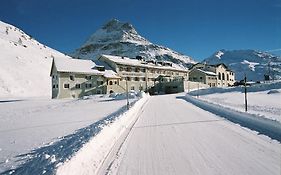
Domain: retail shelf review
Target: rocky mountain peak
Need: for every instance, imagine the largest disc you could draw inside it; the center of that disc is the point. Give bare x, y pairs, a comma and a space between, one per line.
121, 39
116, 25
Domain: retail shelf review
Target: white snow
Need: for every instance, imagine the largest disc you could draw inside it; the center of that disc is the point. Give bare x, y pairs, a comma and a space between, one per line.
24, 64
135, 62
91, 156
207, 72
250, 64
261, 100
255, 64
174, 137
219, 54
119, 38
28, 124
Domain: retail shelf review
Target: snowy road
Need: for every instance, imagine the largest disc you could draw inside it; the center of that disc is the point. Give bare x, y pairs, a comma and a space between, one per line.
174, 137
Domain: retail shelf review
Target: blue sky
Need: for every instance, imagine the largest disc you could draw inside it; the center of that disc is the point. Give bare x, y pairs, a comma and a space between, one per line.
196, 28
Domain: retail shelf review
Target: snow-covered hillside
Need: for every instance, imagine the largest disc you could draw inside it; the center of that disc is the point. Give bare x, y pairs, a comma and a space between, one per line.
121, 39
254, 63
24, 64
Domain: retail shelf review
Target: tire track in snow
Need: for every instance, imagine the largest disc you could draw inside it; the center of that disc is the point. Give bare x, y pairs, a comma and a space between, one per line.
115, 150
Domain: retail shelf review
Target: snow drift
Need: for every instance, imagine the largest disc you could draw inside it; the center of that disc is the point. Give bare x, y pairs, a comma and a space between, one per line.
254, 122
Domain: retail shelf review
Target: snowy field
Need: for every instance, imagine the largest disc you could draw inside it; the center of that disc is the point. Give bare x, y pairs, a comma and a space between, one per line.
28, 124
263, 100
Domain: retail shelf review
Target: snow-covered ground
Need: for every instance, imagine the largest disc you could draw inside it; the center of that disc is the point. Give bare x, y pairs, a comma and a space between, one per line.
263, 99
172, 136
24, 64
164, 134
27, 124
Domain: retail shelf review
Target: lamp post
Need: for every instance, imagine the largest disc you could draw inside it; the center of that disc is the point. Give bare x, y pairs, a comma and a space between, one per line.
127, 93
246, 101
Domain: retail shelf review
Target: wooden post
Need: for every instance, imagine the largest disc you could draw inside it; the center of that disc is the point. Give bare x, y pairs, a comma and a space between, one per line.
246, 101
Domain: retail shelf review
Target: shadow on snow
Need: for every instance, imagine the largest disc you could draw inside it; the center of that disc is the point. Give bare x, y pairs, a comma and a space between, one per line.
46, 159
262, 125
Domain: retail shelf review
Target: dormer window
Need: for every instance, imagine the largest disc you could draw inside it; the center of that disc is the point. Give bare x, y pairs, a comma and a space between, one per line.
101, 68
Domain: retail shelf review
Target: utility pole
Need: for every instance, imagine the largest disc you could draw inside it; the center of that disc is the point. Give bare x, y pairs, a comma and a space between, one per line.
246, 101
127, 93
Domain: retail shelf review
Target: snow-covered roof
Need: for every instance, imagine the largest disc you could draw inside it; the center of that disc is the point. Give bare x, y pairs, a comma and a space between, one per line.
135, 62
83, 66
207, 72
75, 65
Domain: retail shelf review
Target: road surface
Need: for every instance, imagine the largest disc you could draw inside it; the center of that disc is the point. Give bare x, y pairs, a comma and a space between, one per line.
173, 136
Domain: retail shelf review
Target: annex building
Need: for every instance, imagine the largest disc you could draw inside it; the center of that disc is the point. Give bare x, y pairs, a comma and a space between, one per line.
218, 75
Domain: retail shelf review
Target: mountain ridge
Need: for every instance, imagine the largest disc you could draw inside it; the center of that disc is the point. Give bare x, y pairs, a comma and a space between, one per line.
255, 64
122, 39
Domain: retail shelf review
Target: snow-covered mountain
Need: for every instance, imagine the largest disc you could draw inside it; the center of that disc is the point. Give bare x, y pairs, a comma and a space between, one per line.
121, 39
254, 63
24, 64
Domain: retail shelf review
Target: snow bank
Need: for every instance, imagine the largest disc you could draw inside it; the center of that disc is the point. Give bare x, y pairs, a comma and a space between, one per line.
90, 157
66, 125
254, 88
254, 122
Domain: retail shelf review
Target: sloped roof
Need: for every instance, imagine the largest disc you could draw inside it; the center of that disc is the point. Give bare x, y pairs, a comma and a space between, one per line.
83, 67
135, 62
207, 72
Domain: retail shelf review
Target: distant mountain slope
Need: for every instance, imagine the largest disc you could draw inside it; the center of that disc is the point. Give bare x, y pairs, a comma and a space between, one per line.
121, 39
24, 64
254, 63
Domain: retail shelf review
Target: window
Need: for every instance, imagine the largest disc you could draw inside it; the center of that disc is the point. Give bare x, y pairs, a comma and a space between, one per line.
88, 77
137, 69
132, 88
99, 91
77, 86
227, 77
54, 77
110, 83
137, 79
71, 77
128, 78
223, 78
100, 82
143, 78
219, 76
143, 70
128, 69
54, 86
121, 69
115, 82
57, 86
66, 86
88, 85
201, 78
